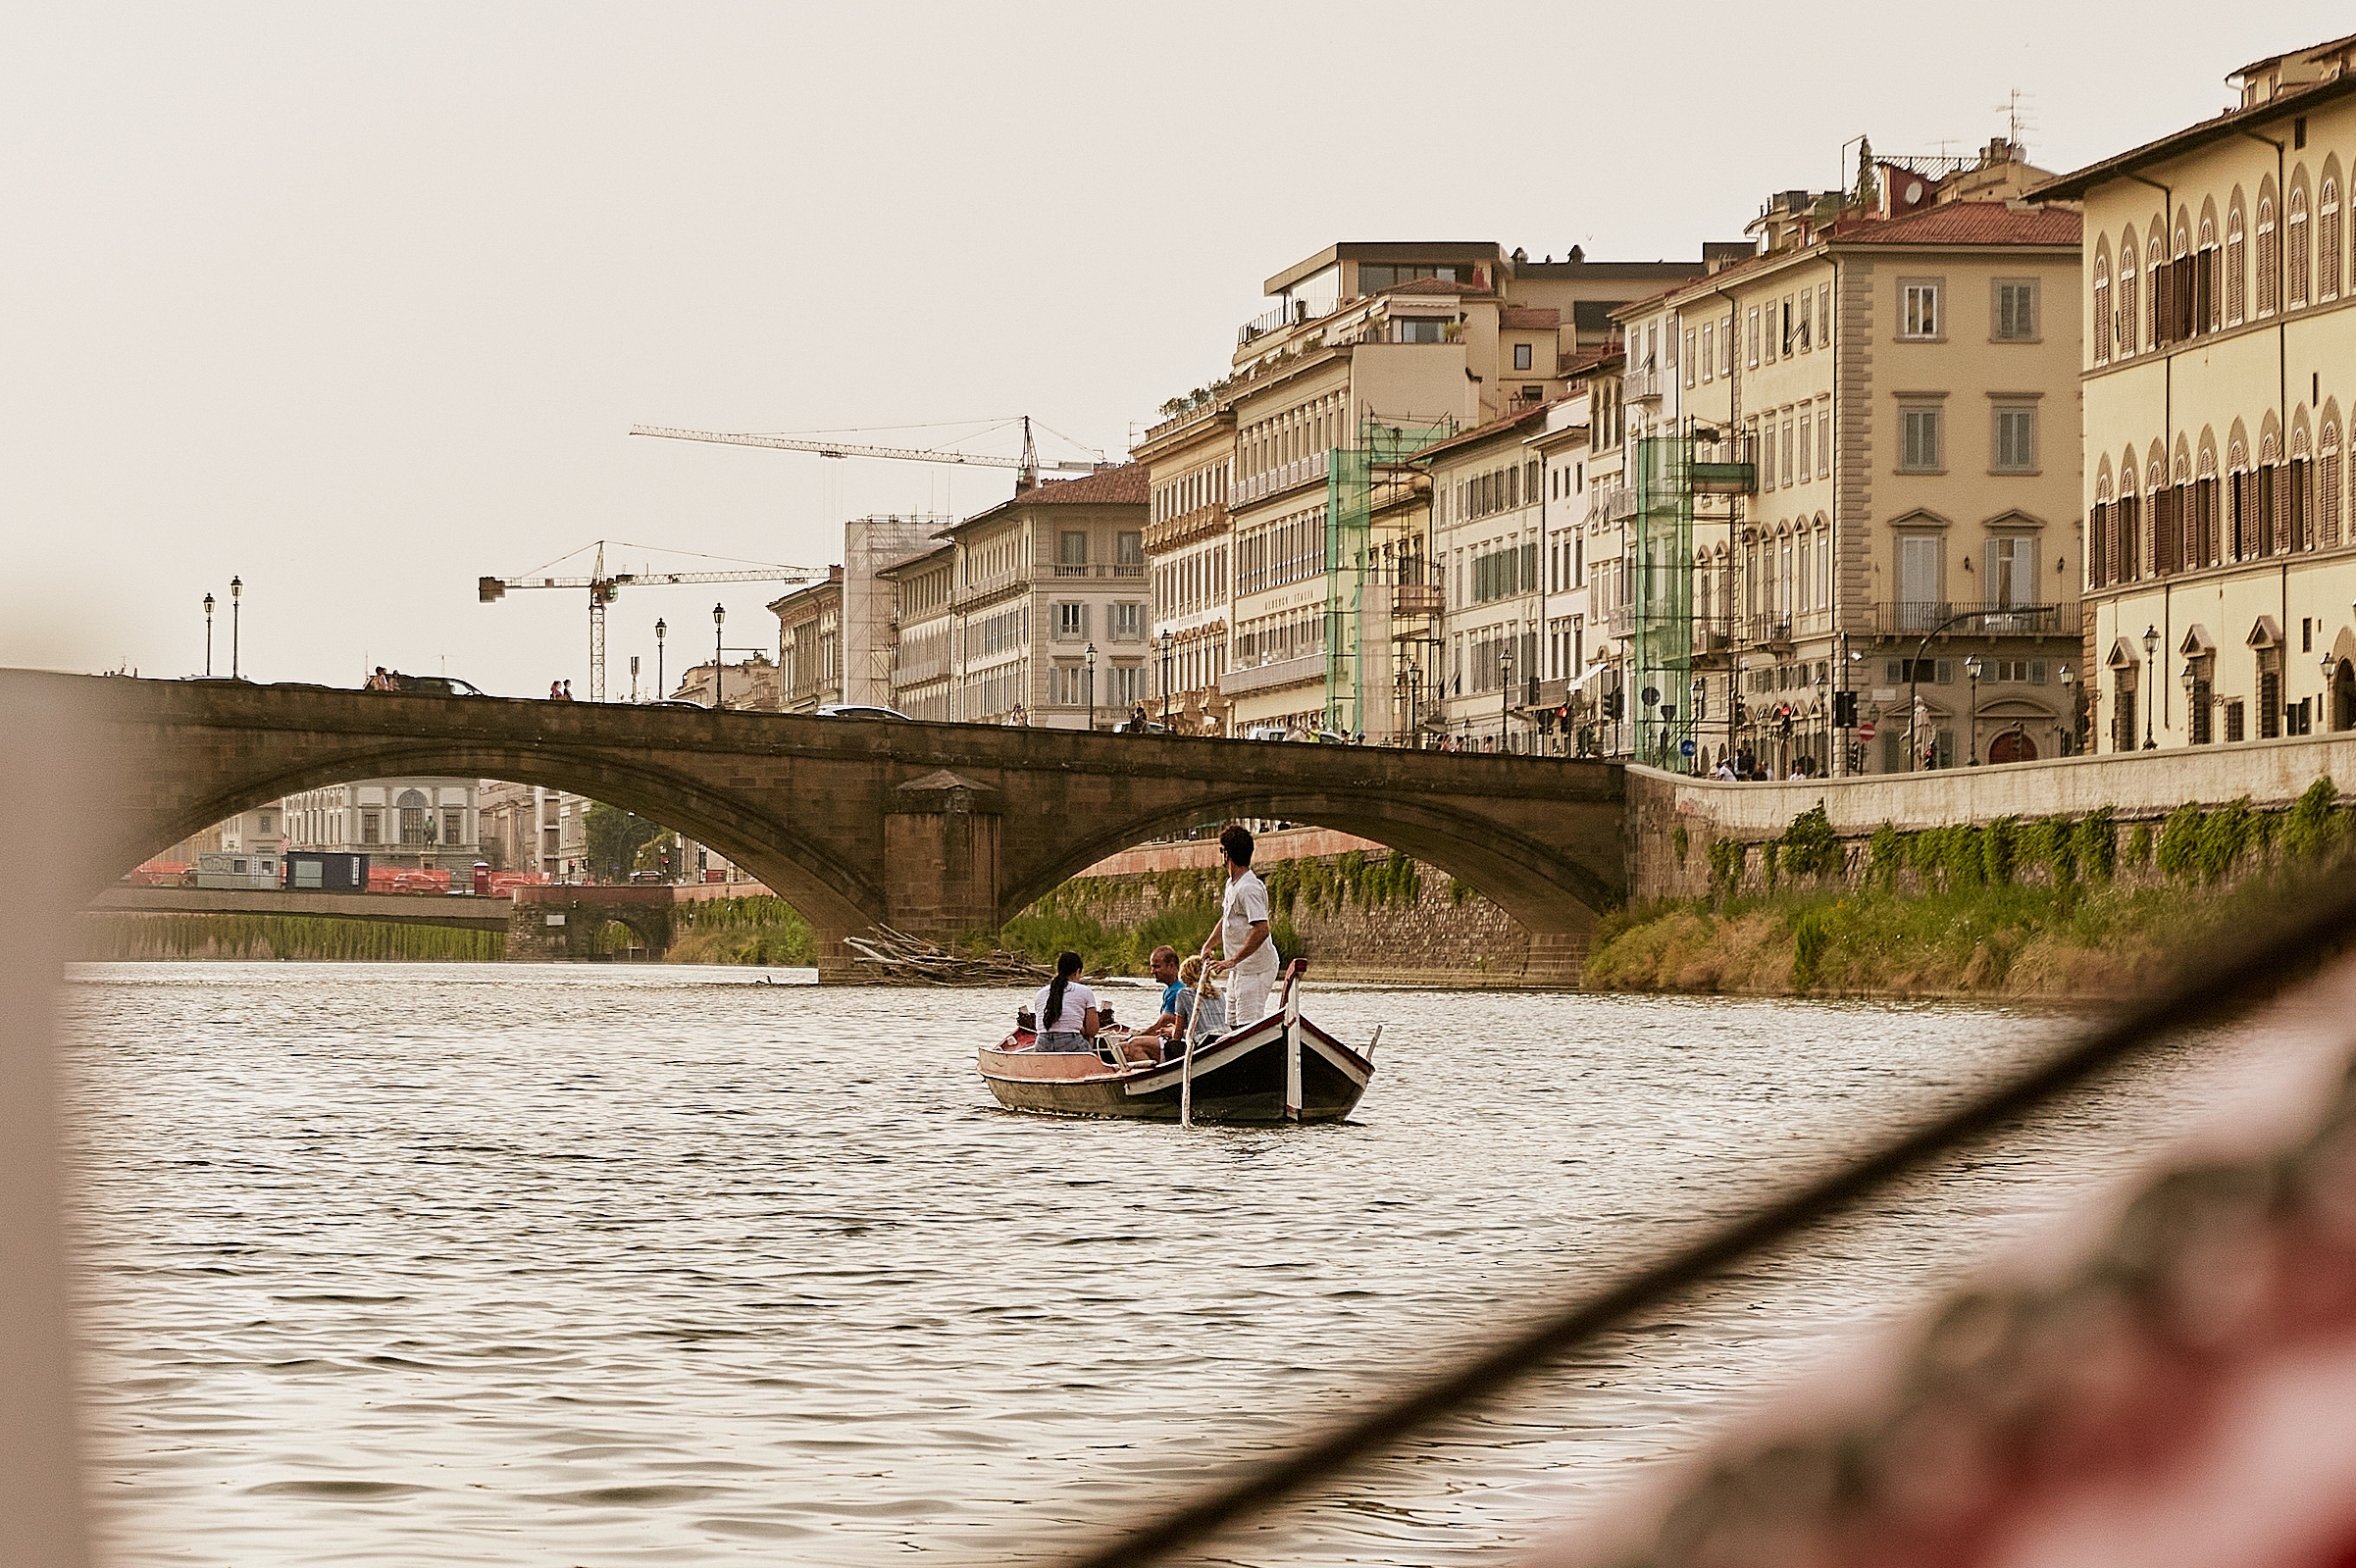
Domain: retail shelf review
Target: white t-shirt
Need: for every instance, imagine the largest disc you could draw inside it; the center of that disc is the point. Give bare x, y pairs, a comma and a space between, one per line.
1077, 1001
1246, 902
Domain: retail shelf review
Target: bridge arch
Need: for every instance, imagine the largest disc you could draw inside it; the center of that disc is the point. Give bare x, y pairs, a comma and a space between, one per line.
1544, 890
793, 866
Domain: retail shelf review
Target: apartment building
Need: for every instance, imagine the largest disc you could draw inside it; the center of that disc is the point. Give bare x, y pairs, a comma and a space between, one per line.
1564, 690
810, 644
1188, 458
1487, 549
531, 828
750, 686
1369, 353
1048, 613
2219, 311
1888, 402
925, 631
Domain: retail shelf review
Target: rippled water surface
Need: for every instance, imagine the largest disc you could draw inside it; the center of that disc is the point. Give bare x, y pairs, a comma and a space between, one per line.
521, 1266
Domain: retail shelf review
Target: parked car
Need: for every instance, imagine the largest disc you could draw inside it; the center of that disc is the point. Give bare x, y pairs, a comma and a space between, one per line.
1268, 732
1140, 727
861, 710
435, 686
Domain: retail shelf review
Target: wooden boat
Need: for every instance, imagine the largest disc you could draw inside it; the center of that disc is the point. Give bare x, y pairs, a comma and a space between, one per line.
1281, 1069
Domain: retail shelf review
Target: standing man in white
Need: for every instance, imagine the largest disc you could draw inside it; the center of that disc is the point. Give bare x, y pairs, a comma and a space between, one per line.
1242, 933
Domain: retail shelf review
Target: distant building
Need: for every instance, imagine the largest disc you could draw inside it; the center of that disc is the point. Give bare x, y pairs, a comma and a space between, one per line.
810, 644
427, 823
529, 827
924, 682
1488, 511
751, 685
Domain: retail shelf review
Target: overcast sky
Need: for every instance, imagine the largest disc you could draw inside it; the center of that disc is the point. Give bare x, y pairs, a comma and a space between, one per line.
358, 303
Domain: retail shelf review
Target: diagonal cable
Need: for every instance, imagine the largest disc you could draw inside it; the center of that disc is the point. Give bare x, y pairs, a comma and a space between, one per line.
2234, 978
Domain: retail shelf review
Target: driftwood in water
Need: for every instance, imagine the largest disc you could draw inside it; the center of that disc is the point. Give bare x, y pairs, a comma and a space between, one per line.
894, 955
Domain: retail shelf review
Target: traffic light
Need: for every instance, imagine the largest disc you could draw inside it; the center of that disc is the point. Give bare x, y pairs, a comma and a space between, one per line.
1612, 705
1844, 710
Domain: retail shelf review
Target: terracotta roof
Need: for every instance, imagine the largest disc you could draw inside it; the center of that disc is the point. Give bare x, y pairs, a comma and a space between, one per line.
1121, 486
2177, 143
1588, 359
1963, 223
1481, 432
1529, 317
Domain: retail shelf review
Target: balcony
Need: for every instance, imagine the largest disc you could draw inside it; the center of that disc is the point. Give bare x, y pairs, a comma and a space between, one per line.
1416, 599
1915, 618
1209, 518
1725, 466
1100, 569
1291, 313
1615, 503
1282, 673
1644, 386
1283, 476
1766, 631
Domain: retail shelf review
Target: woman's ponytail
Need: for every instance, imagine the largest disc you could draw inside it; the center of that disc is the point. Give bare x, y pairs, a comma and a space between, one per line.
1066, 966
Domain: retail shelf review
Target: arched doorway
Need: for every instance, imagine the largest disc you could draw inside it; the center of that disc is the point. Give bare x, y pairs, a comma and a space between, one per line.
2344, 695
2013, 746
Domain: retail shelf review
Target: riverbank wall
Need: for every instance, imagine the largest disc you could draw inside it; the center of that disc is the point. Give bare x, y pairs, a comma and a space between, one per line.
1677, 824
1357, 910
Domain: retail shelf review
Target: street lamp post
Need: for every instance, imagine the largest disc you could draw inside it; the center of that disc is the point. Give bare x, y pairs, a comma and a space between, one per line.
236, 591
1504, 704
1701, 694
209, 636
1165, 677
660, 690
1971, 668
719, 618
1091, 656
2069, 703
1414, 679
2151, 651
634, 677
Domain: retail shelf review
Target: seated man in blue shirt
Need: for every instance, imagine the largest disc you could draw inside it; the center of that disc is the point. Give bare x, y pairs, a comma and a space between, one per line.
1165, 964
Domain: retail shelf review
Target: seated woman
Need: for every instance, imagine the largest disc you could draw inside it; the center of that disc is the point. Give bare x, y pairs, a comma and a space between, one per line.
1183, 1005
1066, 1010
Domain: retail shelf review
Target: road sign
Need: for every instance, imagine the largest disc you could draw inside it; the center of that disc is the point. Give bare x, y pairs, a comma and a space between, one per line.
1865, 731
1685, 748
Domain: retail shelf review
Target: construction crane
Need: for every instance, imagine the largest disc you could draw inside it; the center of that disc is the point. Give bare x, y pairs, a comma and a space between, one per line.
605, 586
1026, 467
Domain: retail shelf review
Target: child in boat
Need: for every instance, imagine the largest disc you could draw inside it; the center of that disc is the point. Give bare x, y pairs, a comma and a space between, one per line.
1183, 1005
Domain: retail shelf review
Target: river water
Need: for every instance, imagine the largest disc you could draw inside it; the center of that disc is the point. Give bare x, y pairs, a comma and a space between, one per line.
612, 1265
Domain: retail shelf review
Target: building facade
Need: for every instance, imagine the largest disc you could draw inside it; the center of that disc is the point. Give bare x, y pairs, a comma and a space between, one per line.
810, 644
925, 632
2219, 311
1188, 458
1884, 401
1488, 546
1298, 470
430, 823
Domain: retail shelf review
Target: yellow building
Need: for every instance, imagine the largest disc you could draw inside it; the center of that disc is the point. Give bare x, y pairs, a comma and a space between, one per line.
1889, 396
1189, 456
2220, 312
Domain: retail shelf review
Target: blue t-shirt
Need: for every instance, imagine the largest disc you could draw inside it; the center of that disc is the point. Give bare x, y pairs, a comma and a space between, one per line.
1169, 996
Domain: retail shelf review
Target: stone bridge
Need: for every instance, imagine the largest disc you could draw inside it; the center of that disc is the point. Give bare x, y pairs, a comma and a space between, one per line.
931, 827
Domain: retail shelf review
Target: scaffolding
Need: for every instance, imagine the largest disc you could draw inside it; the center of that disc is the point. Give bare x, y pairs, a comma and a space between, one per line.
1661, 599
1359, 481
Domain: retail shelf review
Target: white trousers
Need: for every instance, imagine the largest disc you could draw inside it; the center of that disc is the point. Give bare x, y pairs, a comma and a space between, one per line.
1248, 995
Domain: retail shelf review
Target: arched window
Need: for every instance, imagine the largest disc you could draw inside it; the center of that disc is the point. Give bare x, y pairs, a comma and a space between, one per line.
2326, 523
2326, 241
2126, 526
2236, 273
2100, 524
2129, 334
2207, 307
2102, 306
417, 823
2155, 262
2270, 275
2301, 475
2242, 486
2297, 258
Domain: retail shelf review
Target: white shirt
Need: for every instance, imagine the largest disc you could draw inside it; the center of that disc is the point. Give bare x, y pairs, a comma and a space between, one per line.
1246, 902
1077, 1001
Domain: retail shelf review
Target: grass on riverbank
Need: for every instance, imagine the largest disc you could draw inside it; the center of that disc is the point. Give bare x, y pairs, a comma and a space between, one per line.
741, 931
2102, 920
132, 938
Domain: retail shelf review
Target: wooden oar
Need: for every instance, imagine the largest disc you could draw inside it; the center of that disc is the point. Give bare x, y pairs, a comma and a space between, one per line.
1194, 1026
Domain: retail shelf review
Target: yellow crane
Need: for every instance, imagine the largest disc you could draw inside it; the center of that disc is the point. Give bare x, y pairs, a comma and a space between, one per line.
1026, 467
605, 586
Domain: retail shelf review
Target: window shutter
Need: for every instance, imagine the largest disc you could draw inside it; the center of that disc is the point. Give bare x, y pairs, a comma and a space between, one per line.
1946, 671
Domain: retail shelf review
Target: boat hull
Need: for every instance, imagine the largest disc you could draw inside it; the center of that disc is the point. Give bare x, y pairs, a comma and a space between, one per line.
1241, 1079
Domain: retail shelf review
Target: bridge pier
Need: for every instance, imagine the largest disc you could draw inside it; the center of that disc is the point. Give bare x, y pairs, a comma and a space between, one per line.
557, 924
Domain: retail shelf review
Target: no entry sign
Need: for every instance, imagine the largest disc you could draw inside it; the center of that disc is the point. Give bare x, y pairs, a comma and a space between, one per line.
1865, 731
